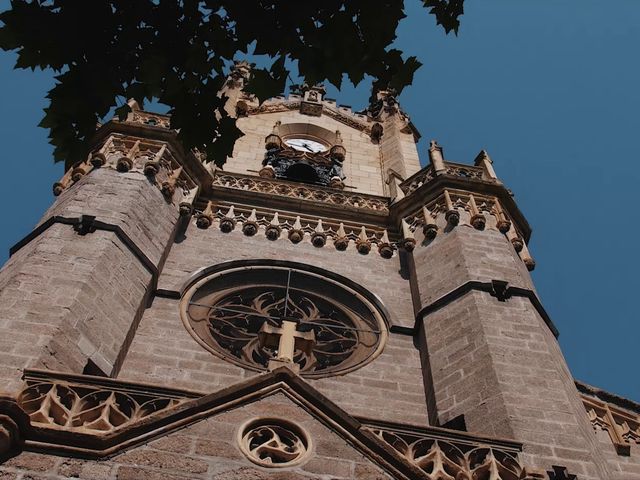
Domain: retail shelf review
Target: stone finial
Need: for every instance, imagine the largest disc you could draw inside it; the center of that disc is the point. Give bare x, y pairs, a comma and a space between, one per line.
274, 229
169, 186
152, 167
451, 215
484, 160
205, 218
228, 222
478, 220
296, 234
186, 204
250, 226
99, 158
319, 237
503, 224
59, 187
436, 156
273, 140
362, 242
134, 105
341, 241
430, 228
408, 240
384, 246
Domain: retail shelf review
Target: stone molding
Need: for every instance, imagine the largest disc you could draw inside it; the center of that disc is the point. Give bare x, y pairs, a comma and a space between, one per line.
86, 224
496, 288
298, 191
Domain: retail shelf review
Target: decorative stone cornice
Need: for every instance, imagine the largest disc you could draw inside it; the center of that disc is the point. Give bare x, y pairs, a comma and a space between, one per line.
300, 192
445, 195
274, 224
152, 158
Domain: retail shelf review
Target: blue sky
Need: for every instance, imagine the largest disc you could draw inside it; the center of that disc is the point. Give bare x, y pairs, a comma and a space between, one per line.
550, 88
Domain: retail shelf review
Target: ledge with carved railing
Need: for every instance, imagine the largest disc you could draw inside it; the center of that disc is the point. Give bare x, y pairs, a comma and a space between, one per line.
91, 404
622, 425
448, 454
295, 190
482, 169
319, 231
126, 153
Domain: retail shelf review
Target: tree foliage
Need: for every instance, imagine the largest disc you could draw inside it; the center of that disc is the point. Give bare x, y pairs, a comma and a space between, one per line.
180, 52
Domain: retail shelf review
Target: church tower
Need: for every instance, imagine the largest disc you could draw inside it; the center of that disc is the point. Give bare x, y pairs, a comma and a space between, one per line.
324, 307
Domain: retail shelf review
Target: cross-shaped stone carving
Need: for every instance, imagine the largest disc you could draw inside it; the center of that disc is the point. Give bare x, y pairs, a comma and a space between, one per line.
287, 338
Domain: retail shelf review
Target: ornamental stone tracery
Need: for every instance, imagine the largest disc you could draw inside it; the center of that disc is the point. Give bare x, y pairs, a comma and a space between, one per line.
271, 442
225, 313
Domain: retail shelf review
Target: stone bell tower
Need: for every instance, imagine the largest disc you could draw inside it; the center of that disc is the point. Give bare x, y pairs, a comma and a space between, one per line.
324, 307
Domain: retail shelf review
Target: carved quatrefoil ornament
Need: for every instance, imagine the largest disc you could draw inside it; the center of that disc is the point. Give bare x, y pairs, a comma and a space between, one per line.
273, 442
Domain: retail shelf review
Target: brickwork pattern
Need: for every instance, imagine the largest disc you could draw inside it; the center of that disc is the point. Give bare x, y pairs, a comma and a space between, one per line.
208, 451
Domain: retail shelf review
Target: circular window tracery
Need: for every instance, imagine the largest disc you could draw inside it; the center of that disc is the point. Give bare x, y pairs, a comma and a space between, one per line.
272, 442
227, 310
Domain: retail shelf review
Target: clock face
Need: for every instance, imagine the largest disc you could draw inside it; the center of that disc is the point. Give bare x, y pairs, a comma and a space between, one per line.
305, 145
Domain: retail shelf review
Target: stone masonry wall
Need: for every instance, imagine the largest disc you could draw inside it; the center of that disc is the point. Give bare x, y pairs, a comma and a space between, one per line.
163, 351
497, 363
66, 298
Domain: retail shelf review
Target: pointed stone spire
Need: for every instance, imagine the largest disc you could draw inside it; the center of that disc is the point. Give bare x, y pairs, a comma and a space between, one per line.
384, 246
436, 156
99, 158
484, 160
205, 219
478, 220
430, 228
152, 167
408, 240
319, 237
186, 204
363, 244
228, 222
452, 216
125, 163
296, 234
274, 229
250, 226
341, 241
169, 186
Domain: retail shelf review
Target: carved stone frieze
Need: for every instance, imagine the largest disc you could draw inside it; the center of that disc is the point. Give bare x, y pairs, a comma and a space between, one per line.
126, 153
65, 405
302, 192
441, 458
319, 231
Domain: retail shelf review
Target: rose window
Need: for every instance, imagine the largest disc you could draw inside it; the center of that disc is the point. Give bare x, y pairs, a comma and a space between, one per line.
228, 312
